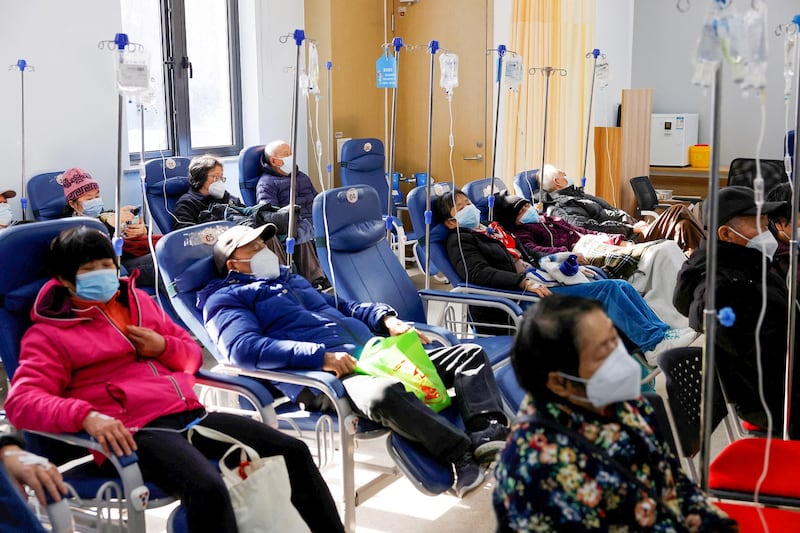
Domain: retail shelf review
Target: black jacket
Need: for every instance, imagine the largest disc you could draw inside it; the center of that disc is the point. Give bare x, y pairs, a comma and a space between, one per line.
587, 211
488, 263
192, 203
739, 287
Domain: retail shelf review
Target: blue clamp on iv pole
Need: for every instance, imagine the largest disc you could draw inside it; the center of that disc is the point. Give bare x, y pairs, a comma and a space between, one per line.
22, 65
726, 317
594, 54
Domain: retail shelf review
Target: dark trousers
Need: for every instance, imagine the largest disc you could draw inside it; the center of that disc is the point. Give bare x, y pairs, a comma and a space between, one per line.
463, 367
167, 459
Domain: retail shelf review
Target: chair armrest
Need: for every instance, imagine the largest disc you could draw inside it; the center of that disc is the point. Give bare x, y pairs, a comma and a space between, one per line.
513, 296
437, 333
497, 300
317, 379
249, 388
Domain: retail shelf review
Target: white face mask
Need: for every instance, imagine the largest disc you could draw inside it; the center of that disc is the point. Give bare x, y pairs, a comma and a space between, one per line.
617, 379
264, 264
6, 214
217, 189
764, 242
288, 161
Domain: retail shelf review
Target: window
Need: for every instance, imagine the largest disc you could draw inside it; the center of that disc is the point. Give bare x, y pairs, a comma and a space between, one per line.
193, 47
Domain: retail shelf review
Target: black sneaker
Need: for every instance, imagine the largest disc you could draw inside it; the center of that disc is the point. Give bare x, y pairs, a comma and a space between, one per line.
488, 442
469, 475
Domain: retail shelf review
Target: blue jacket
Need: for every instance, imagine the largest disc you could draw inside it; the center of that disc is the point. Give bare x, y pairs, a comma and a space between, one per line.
285, 322
274, 188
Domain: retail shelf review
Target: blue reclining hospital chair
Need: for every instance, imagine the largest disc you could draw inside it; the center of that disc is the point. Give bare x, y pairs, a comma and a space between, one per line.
525, 183
358, 262
250, 172
46, 195
166, 180
186, 261
25, 248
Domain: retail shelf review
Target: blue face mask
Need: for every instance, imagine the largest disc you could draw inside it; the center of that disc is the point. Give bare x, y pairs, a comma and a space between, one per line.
93, 208
570, 182
469, 217
97, 285
531, 216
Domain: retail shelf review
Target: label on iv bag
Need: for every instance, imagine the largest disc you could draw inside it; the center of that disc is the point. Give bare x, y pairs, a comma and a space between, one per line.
133, 77
386, 72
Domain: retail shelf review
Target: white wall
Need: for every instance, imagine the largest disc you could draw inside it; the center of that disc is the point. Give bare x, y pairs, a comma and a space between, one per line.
664, 42
614, 37
70, 101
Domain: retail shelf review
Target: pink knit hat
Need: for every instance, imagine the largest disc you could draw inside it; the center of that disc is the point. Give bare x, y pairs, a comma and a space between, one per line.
77, 182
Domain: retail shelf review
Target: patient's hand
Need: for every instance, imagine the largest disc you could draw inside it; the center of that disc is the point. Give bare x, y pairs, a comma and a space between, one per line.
640, 227
582, 259
148, 343
528, 285
135, 230
395, 327
109, 433
25, 468
340, 363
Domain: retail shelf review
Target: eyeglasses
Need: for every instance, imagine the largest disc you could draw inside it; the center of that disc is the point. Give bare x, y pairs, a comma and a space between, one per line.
214, 179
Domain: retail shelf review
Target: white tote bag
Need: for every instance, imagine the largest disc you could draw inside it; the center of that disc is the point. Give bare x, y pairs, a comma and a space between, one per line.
262, 500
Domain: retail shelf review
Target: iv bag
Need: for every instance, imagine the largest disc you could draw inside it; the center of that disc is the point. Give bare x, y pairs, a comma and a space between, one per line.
707, 53
602, 72
755, 23
313, 68
448, 65
132, 72
512, 72
789, 45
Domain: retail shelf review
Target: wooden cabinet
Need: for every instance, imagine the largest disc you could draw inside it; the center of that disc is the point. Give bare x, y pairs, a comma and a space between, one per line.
622, 153
685, 181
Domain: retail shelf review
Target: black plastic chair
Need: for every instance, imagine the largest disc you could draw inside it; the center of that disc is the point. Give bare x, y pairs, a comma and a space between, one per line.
682, 368
646, 197
742, 171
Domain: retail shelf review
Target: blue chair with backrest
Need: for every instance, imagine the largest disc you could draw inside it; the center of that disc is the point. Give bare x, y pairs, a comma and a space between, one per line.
525, 183
478, 192
46, 195
26, 248
250, 172
363, 163
186, 263
166, 180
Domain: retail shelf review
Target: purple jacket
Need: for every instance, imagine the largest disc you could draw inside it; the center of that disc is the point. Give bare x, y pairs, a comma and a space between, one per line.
553, 234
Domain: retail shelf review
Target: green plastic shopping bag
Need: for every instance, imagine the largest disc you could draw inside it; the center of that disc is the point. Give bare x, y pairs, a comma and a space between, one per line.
404, 358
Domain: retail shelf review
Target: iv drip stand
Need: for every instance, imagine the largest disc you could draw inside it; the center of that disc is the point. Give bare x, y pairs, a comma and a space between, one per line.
299, 36
142, 171
22, 65
501, 51
433, 46
793, 261
594, 54
547, 71
397, 44
710, 312
329, 166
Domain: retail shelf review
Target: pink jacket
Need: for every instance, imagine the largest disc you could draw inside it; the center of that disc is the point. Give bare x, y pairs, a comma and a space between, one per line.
75, 361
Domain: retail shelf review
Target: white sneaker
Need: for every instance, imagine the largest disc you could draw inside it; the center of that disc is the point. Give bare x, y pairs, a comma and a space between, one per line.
673, 338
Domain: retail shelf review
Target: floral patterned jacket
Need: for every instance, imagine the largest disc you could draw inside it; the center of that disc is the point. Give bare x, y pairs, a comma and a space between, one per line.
547, 482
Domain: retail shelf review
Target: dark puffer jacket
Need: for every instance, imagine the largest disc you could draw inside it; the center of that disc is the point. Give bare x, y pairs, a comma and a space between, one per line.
739, 287
274, 188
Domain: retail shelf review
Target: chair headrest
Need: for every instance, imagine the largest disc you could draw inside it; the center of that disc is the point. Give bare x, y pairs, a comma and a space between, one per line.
175, 186
364, 162
20, 300
357, 236
196, 276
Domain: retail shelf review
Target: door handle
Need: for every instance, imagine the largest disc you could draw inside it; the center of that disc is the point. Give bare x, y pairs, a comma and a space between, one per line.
476, 157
